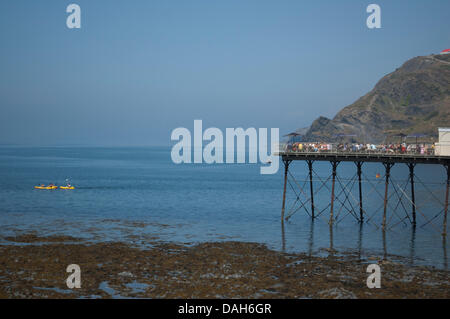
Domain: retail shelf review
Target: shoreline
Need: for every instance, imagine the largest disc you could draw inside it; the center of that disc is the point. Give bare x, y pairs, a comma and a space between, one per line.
35, 267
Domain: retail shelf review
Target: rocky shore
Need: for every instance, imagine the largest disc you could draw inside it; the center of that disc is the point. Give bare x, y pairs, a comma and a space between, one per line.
35, 267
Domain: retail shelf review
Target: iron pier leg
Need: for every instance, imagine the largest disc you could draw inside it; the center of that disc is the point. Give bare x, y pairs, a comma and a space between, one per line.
311, 186
388, 174
413, 195
286, 168
446, 200
334, 164
359, 171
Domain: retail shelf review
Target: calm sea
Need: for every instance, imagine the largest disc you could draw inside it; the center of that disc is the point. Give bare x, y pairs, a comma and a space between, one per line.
138, 194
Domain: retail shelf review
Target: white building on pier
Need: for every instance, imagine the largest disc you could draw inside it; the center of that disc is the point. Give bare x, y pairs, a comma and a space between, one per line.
443, 146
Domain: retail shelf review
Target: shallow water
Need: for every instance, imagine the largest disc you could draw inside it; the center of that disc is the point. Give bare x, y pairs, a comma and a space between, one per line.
138, 195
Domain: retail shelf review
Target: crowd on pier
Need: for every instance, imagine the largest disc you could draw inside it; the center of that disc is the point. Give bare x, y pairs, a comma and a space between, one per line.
400, 148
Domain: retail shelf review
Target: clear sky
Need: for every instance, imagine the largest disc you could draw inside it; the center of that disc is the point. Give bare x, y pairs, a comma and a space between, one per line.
138, 69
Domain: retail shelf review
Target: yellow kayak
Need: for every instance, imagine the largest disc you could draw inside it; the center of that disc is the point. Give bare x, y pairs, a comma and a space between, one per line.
46, 187
66, 187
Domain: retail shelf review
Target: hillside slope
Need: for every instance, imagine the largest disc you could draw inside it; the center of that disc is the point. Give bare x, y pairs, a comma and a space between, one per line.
413, 99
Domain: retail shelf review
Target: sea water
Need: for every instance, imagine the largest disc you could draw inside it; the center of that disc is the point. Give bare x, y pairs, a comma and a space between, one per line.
137, 195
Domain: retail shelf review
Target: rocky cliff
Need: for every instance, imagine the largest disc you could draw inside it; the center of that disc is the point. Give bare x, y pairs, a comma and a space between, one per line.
413, 99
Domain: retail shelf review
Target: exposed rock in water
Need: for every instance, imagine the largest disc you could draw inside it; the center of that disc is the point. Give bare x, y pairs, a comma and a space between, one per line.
205, 270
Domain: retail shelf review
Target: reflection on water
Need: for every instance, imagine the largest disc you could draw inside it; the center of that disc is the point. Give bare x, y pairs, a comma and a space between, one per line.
413, 244
444, 247
360, 239
360, 247
311, 238
331, 239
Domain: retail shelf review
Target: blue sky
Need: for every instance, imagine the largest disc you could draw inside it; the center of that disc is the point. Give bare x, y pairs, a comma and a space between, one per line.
138, 69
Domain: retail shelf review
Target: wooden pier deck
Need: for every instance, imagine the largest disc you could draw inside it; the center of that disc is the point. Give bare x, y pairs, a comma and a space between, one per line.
366, 157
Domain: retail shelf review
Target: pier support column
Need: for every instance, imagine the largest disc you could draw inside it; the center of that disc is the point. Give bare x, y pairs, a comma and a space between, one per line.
286, 168
388, 167
359, 172
310, 162
447, 167
334, 164
413, 195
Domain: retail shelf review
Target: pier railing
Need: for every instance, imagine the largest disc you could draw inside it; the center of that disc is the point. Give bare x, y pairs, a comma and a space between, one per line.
336, 149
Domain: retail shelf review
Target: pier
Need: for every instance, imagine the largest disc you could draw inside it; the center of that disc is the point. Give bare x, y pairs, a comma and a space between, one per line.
357, 209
